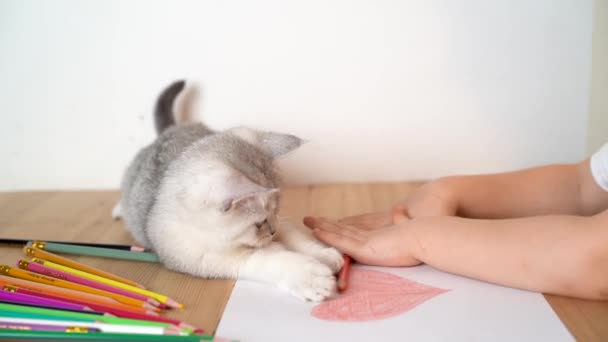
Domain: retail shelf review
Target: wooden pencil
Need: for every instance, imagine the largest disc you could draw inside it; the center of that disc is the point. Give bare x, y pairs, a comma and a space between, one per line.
98, 252
32, 285
93, 277
343, 276
41, 269
42, 254
21, 242
68, 293
25, 299
7, 309
104, 327
6, 324
113, 309
99, 337
18, 273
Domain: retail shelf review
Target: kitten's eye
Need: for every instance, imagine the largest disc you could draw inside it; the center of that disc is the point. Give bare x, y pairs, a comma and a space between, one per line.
260, 224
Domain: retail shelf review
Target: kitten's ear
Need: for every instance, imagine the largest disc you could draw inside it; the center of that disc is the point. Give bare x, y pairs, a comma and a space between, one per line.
280, 144
276, 144
252, 202
244, 194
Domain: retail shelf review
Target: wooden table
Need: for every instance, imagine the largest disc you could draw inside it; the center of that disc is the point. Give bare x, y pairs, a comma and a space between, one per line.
85, 216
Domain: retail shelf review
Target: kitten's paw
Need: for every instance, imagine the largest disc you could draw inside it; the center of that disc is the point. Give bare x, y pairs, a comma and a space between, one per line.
330, 257
117, 211
310, 279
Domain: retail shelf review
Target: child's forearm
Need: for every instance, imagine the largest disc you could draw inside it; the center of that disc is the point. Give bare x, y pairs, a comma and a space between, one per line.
563, 189
564, 255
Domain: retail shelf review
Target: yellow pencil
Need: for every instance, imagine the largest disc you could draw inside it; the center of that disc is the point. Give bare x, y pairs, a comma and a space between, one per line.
39, 278
42, 254
161, 298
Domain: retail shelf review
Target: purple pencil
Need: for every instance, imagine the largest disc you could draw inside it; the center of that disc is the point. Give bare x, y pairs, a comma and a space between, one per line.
45, 327
51, 272
19, 298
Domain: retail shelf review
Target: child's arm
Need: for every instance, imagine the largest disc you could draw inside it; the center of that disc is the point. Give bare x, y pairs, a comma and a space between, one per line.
565, 255
564, 189
555, 189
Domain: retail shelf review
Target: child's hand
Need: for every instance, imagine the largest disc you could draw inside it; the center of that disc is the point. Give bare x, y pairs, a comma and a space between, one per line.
375, 244
431, 199
370, 220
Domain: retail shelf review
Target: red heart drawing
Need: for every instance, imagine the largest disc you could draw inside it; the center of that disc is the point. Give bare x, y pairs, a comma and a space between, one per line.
373, 295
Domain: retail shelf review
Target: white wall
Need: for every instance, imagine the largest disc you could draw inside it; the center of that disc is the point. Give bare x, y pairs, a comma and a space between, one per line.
598, 111
385, 90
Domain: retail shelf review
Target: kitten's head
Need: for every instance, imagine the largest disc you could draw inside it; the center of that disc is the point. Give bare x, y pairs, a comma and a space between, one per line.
235, 190
250, 219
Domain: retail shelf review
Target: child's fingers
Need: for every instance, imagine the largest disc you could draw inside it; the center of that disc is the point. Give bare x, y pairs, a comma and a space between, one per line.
400, 214
344, 244
332, 226
369, 221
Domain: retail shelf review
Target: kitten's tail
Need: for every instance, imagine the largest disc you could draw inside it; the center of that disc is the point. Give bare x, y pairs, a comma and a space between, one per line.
163, 111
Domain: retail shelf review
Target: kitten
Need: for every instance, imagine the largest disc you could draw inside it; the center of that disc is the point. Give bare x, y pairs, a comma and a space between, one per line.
206, 202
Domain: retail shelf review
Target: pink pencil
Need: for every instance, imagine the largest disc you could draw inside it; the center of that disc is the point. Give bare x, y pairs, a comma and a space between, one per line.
343, 276
23, 299
134, 315
51, 272
94, 306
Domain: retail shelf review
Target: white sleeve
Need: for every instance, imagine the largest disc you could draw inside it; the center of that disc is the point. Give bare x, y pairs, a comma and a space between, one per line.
599, 167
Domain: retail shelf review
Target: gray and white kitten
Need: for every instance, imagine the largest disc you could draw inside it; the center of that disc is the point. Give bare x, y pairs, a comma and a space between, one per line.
206, 202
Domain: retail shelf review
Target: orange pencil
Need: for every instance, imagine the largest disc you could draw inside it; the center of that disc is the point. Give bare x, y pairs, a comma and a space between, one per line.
69, 294
343, 276
42, 254
5, 280
18, 273
97, 307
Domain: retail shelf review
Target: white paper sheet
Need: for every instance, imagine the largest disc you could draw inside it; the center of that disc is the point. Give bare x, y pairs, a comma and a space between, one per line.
469, 311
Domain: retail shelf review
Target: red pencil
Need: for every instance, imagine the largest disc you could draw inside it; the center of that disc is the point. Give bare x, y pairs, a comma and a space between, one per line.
343, 276
126, 314
94, 306
48, 271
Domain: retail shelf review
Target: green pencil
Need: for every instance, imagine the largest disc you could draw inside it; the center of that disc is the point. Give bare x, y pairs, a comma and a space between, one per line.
95, 251
17, 314
71, 314
63, 336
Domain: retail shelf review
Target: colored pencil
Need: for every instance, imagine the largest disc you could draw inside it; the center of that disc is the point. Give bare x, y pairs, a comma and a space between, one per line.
17, 314
18, 273
22, 242
98, 307
343, 276
46, 327
159, 297
104, 327
19, 298
20, 311
85, 317
27, 287
41, 269
94, 251
27, 314
62, 336
154, 318
42, 254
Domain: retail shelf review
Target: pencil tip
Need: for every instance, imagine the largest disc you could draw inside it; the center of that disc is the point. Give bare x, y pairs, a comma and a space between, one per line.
137, 249
171, 331
174, 304
189, 326
150, 307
